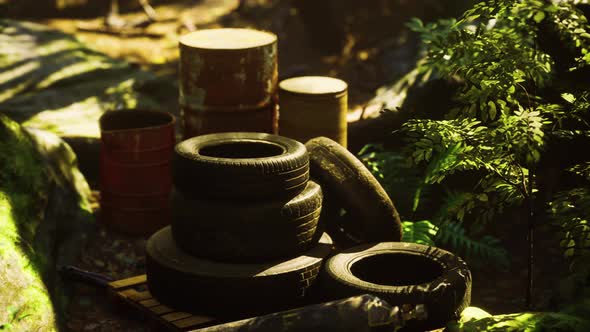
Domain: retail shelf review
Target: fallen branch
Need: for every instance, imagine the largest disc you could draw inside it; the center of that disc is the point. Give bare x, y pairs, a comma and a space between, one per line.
123, 31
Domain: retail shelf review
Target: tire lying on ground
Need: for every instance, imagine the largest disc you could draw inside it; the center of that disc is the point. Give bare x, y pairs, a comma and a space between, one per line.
403, 273
189, 283
239, 231
240, 166
345, 177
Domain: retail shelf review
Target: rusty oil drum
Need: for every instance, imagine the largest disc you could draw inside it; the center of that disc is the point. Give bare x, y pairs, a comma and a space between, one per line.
312, 106
262, 119
228, 77
135, 170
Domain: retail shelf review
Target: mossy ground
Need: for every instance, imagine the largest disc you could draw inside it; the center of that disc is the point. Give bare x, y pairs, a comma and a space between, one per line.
44, 213
24, 299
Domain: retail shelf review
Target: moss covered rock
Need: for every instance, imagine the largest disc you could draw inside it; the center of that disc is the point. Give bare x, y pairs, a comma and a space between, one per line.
44, 216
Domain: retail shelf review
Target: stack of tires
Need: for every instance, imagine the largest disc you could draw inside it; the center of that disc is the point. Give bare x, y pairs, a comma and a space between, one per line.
244, 237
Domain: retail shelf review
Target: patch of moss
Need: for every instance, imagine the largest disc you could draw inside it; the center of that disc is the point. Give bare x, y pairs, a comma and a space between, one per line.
570, 320
25, 303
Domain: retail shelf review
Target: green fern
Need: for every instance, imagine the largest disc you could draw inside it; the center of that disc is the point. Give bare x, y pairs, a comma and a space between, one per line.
421, 232
570, 210
581, 170
399, 180
488, 247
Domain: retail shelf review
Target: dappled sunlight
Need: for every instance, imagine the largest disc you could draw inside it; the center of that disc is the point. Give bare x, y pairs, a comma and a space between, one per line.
8, 77
80, 64
472, 128
80, 119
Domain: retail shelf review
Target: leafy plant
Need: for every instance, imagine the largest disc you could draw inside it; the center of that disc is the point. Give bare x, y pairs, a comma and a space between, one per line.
405, 186
570, 209
487, 247
522, 69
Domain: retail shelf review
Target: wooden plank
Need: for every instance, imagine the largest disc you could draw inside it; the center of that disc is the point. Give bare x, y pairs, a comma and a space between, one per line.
149, 303
134, 292
133, 295
171, 317
129, 282
161, 310
192, 322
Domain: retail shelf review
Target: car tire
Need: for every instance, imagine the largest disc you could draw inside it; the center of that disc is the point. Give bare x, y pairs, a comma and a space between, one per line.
237, 231
246, 166
189, 283
347, 181
403, 273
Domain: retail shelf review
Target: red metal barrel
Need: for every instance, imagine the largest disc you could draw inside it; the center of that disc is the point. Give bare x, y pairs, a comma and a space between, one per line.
232, 72
135, 173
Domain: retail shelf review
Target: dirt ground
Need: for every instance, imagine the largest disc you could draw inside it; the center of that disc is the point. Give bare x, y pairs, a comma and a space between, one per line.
372, 55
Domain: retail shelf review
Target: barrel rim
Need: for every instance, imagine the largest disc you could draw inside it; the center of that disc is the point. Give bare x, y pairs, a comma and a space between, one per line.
107, 115
182, 40
335, 93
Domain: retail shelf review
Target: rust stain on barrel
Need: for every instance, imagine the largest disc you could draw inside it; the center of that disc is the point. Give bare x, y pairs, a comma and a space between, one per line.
228, 67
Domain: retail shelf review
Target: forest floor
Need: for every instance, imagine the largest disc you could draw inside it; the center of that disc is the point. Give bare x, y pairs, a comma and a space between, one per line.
365, 63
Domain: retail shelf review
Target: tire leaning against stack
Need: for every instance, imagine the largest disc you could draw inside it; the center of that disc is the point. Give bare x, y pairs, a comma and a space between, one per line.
347, 182
189, 283
245, 166
248, 231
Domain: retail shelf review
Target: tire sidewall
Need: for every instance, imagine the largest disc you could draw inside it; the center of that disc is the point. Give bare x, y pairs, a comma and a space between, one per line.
449, 293
346, 178
201, 176
189, 149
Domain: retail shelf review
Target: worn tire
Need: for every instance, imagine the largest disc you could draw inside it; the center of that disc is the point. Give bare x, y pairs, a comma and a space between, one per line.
246, 166
353, 186
238, 231
189, 283
403, 273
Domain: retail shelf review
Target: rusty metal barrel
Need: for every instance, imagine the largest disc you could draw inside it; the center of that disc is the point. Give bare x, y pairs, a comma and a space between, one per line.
135, 172
312, 106
228, 81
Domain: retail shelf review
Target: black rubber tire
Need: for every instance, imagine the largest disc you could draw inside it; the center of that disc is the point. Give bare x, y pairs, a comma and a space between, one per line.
189, 283
344, 177
263, 166
243, 232
425, 275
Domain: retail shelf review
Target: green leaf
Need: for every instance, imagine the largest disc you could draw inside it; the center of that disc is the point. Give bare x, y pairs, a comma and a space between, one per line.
539, 16
472, 112
421, 232
570, 98
415, 24
416, 200
492, 110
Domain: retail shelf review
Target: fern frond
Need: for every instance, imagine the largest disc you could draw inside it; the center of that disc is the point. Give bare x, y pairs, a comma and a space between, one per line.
582, 170
570, 210
421, 232
487, 247
399, 180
